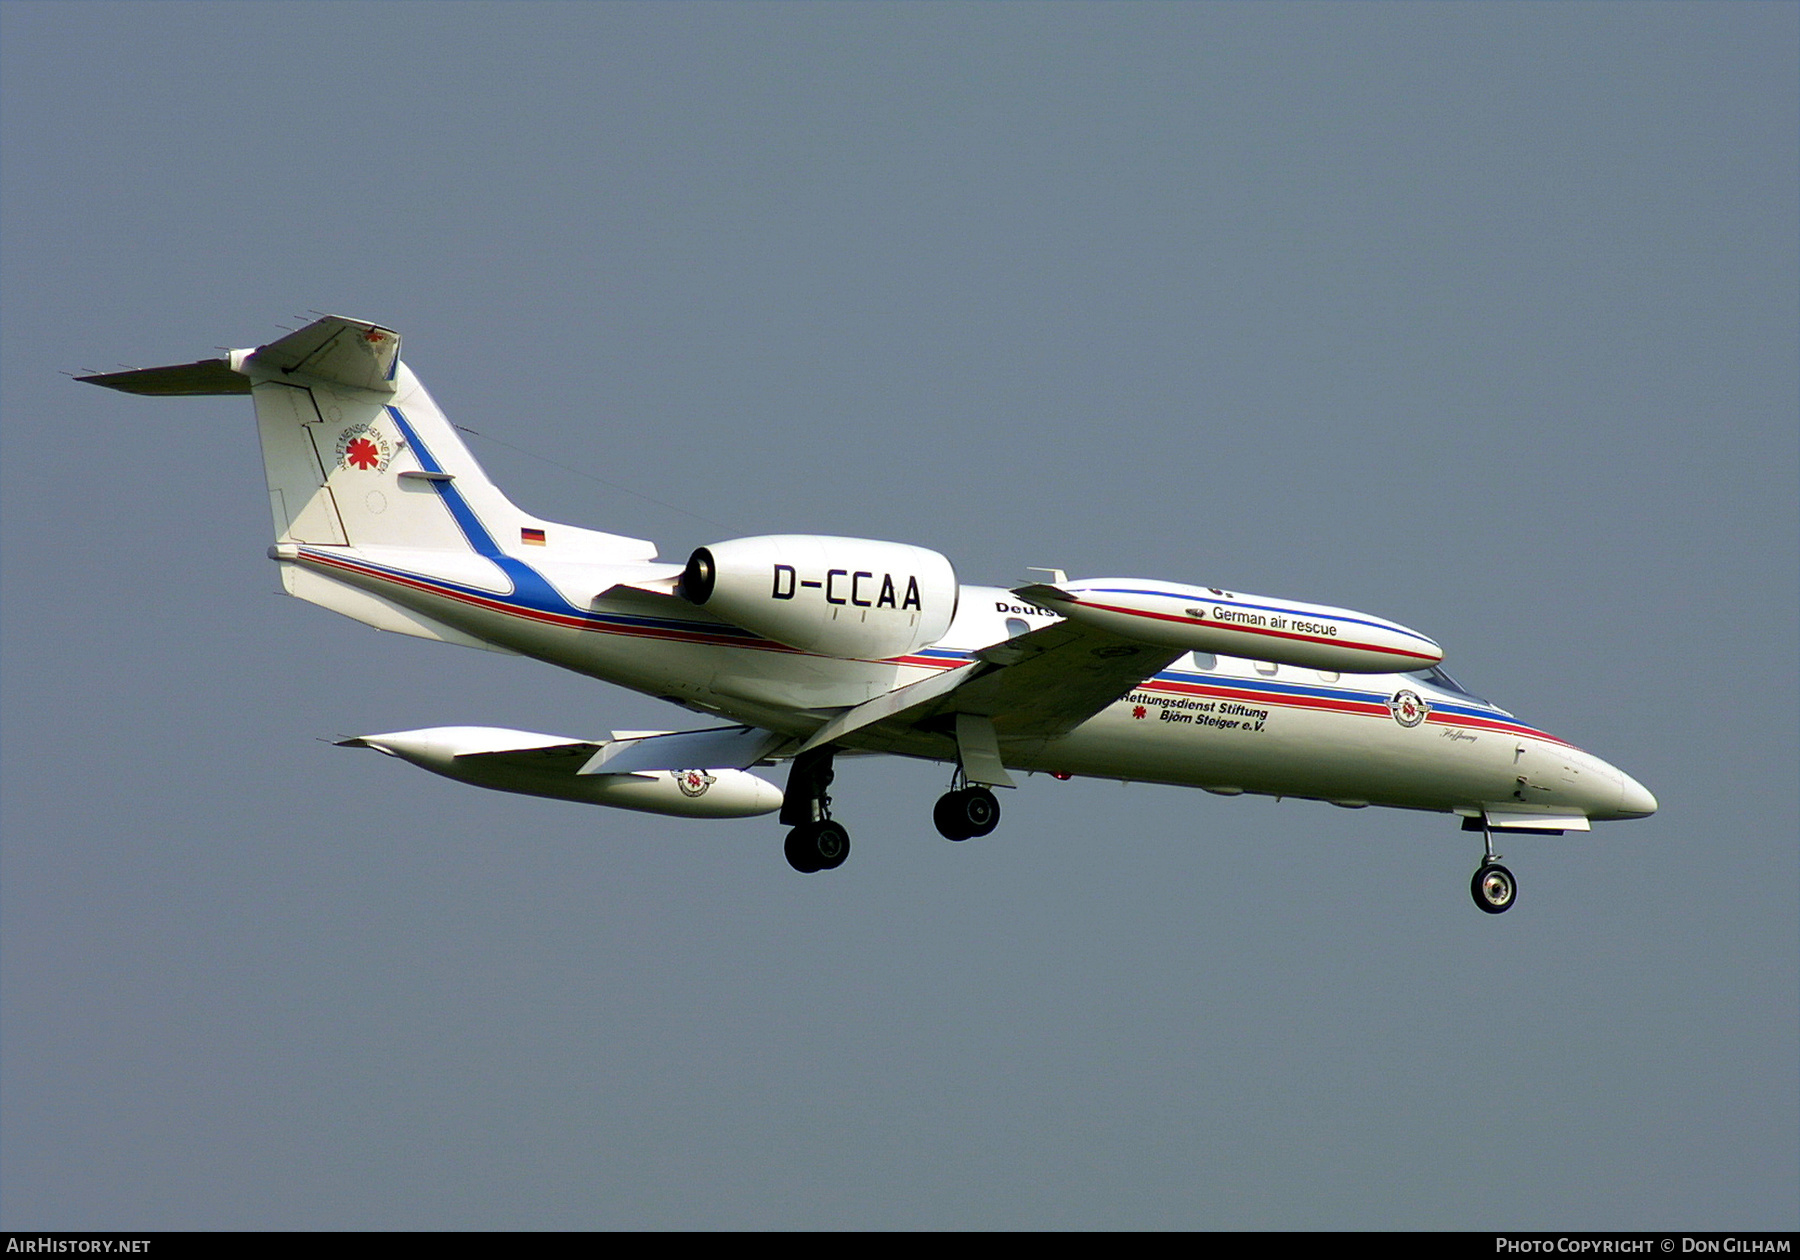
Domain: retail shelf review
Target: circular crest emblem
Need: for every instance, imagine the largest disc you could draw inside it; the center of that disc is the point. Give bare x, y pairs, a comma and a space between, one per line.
363, 446
693, 782
1408, 708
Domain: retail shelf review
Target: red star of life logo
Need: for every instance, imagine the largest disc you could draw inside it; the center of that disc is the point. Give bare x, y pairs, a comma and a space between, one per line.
362, 453
1140, 711
362, 446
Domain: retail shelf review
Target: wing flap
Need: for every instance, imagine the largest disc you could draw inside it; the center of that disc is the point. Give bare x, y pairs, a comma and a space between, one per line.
1062, 675
1545, 819
723, 747
543, 757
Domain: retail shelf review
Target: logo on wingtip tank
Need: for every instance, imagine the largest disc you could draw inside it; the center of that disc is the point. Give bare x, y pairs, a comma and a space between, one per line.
1408, 708
693, 782
362, 446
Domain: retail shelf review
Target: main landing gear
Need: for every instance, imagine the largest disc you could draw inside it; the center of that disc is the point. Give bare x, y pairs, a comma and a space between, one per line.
1493, 886
966, 811
817, 846
816, 843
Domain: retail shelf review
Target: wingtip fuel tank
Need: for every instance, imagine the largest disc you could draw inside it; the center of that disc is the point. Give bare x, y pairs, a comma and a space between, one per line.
548, 765
1207, 619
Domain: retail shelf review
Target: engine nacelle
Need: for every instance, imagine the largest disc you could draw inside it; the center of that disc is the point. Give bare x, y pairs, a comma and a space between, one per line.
1205, 619
852, 598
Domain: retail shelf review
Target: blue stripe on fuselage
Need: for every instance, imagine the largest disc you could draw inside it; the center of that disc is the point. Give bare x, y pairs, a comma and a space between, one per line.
529, 586
1438, 704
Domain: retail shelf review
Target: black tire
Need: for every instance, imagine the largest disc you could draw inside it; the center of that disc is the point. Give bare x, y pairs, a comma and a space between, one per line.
817, 846
1494, 888
800, 852
951, 820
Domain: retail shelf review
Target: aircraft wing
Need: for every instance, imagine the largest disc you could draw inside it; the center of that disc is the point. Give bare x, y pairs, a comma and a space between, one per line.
1054, 679
562, 758
733, 747
1038, 685
491, 749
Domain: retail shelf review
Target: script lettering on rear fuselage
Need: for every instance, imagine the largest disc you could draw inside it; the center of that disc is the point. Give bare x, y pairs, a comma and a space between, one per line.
841, 586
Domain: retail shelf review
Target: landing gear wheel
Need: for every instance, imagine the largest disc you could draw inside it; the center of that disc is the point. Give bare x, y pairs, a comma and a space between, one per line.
981, 810
831, 843
799, 851
1494, 888
946, 815
971, 811
817, 846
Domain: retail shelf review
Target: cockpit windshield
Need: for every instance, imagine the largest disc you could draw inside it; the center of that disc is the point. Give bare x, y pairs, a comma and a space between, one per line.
1436, 677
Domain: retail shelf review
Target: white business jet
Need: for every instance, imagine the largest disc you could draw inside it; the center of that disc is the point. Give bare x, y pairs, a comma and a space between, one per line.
808, 645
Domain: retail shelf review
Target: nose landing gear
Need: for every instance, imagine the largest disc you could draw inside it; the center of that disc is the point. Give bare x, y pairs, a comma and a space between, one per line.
1493, 887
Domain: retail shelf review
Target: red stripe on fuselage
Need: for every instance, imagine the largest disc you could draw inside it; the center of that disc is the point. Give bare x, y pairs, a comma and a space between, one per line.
1336, 704
499, 605
1222, 691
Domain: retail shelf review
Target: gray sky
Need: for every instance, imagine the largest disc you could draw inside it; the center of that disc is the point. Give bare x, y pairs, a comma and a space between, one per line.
1479, 317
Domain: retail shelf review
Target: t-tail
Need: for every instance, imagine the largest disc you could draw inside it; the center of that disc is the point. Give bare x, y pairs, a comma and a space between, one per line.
360, 463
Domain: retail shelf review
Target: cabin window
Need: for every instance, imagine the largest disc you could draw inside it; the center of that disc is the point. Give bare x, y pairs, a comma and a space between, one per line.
1266, 667
1205, 660
1016, 626
1328, 675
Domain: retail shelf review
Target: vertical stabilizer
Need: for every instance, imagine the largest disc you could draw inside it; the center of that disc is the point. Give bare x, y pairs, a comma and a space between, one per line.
356, 453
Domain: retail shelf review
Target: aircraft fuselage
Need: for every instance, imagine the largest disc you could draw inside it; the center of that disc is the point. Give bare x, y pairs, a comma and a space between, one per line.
1235, 726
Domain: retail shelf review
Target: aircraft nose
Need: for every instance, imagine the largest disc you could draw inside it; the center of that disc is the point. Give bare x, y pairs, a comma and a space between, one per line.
1601, 790
1635, 800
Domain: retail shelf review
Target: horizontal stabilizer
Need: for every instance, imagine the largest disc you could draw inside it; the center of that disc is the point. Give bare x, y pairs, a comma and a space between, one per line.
208, 376
343, 351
